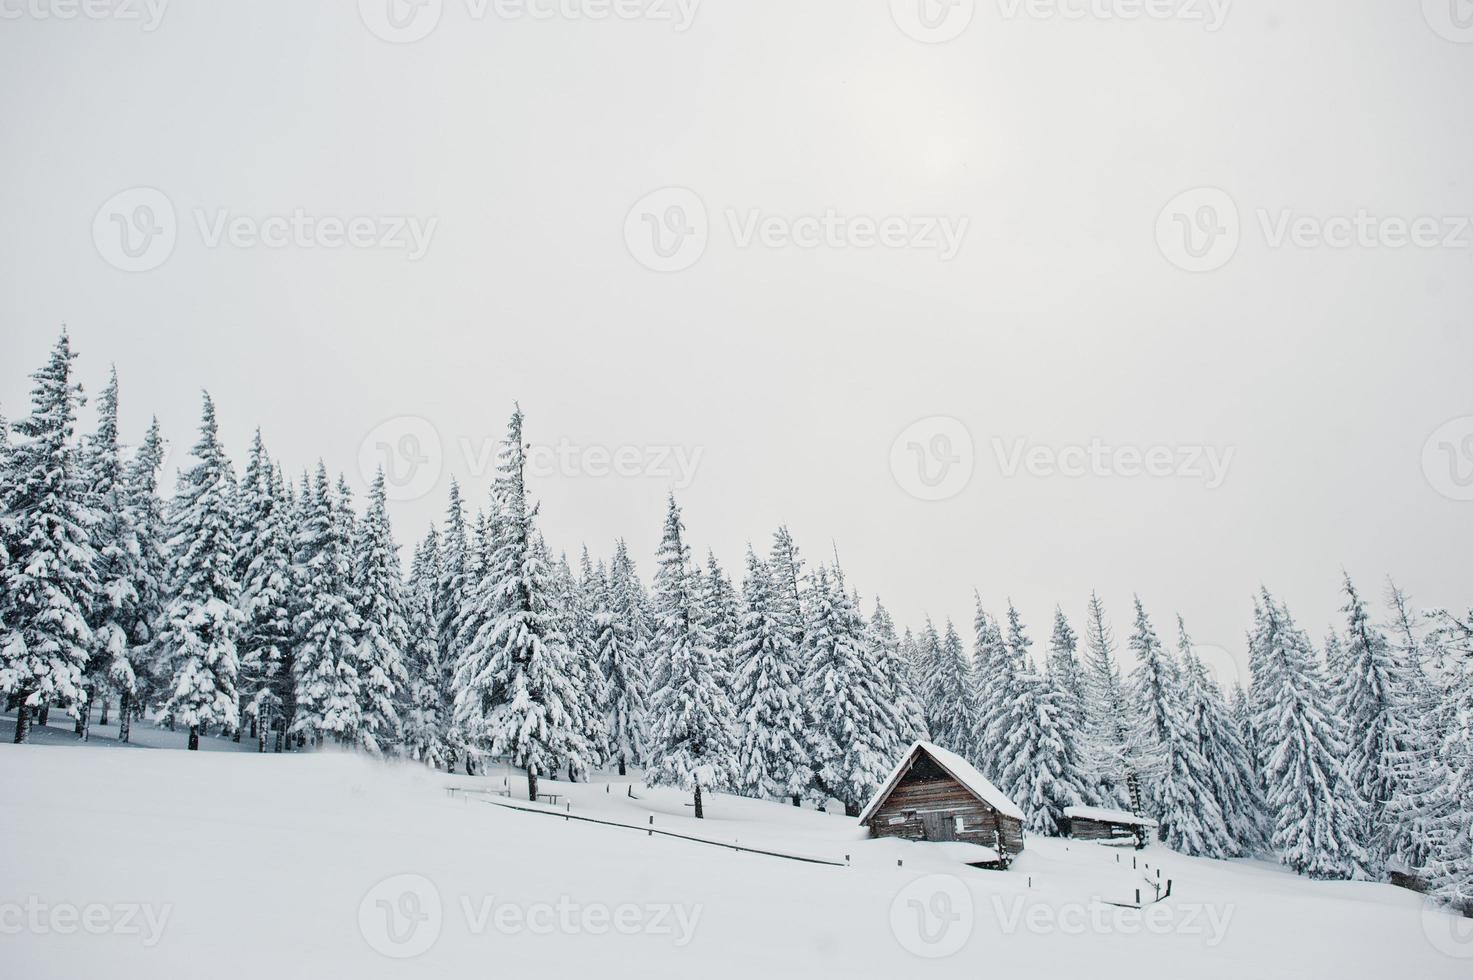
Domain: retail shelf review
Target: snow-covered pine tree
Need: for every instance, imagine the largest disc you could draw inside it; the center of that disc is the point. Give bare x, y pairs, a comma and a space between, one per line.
1373, 696
786, 568
203, 619
1064, 670
621, 643
115, 609
1215, 731
772, 760
900, 684
951, 693
574, 621
383, 638
427, 706
263, 566
693, 742
1447, 808
1417, 730
452, 595
723, 612
845, 691
1107, 718
512, 692
326, 664
1036, 757
151, 576
1000, 660
1175, 774
50, 581
1315, 808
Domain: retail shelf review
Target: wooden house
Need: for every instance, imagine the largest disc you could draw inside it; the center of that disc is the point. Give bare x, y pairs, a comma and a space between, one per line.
936, 795
1109, 826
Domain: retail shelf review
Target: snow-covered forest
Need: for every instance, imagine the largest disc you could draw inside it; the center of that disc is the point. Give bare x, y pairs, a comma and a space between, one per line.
263, 602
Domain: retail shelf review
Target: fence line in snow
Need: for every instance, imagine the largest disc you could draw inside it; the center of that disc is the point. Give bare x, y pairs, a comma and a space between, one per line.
650, 830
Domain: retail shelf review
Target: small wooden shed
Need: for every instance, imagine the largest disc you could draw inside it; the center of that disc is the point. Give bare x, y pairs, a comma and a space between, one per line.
1110, 826
936, 795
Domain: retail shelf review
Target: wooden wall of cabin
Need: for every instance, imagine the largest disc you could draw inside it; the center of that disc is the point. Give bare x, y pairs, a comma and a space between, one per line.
902, 814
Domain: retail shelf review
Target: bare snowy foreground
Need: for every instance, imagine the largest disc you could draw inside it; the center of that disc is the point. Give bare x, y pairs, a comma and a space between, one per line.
125, 862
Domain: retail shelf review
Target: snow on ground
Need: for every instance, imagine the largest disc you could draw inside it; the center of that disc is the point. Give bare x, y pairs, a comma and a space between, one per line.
161, 864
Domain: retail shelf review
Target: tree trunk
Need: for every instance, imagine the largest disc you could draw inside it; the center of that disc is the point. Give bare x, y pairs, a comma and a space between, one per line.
700, 810
193, 738
798, 800
44, 715
531, 786
236, 737
84, 718
259, 728
106, 703
623, 771
255, 727
22, 721
125, 716
571, 777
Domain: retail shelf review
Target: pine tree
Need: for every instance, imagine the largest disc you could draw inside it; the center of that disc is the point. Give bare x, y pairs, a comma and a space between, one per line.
1037, 759
1064, 669
1372, 697
383, 627
1166, 754
426, 713
328, 686
1314, 807
621, 644
115, 609
150, 584
845, 690
1446, 808
512, 692
901, 688
263, 567
202, 620
692, 737
1216, 733
452, 595
1417, 732
772, 759
50, 581
1107, 721
951, 696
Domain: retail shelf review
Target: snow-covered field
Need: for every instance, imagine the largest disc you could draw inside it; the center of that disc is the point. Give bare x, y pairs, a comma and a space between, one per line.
165, 864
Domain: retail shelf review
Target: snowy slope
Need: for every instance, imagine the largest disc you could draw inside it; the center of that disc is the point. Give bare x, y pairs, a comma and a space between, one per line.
277, 865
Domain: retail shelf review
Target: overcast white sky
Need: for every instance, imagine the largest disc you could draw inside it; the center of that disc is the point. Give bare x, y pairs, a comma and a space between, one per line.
1063, 318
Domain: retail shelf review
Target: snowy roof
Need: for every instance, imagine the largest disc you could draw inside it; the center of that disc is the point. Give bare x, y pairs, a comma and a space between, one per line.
1108, 816
957, 768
